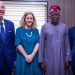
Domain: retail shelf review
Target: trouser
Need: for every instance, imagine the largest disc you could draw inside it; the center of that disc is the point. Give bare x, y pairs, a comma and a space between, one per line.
73, 63
5, 69
0, 72
73, 69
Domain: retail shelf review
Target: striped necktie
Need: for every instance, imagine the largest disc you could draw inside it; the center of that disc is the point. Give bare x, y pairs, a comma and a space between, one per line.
2, 31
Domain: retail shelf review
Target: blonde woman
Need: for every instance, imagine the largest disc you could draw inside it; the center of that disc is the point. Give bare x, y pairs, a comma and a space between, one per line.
27, 43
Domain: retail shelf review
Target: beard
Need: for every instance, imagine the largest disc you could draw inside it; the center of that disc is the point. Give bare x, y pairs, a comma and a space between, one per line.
54, 23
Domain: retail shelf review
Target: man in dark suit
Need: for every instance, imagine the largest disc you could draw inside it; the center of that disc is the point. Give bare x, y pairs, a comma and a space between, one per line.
71, 33
7, 43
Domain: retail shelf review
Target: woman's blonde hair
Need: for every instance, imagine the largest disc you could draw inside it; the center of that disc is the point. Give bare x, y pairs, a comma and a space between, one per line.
22, 22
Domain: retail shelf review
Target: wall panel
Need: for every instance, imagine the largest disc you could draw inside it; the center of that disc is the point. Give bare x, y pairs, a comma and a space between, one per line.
67, 10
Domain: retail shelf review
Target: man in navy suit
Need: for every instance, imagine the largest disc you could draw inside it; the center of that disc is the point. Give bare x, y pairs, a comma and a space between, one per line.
71, 33
7, 43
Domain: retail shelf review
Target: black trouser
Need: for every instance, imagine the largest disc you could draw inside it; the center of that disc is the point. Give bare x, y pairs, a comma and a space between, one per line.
73, 69
0, 72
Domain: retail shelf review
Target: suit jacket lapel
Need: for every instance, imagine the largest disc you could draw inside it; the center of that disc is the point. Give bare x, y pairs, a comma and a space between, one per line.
6, 29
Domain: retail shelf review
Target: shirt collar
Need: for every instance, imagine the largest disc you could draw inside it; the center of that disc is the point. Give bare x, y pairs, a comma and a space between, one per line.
3, 21
3, 24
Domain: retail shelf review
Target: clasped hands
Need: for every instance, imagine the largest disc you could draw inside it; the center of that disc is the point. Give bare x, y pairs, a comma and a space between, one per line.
29, 58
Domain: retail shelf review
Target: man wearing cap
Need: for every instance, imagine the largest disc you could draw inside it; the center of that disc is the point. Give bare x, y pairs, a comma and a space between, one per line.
54, 52
7, 43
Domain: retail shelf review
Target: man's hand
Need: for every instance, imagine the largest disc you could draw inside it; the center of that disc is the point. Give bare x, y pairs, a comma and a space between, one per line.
66, 63
43, 67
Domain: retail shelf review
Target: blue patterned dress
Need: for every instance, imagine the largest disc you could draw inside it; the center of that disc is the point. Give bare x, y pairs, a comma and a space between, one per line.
28, 38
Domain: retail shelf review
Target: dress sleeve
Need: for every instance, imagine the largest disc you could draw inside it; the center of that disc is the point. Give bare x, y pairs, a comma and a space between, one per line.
42, 46
67, 47
17, 37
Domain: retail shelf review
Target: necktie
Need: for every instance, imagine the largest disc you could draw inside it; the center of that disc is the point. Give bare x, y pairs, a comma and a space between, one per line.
2, 31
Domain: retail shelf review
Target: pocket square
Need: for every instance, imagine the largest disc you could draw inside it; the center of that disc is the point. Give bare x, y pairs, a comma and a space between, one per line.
9, 31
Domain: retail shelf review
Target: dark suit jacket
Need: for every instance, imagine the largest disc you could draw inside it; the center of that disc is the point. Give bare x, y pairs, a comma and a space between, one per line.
7, 49
71, 33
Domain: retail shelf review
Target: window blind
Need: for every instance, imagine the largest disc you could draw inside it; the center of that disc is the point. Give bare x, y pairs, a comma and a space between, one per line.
15, 10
